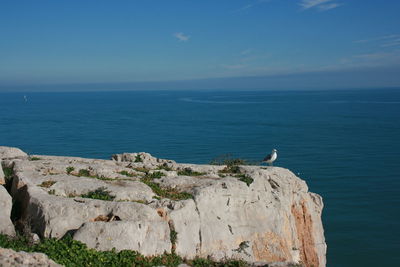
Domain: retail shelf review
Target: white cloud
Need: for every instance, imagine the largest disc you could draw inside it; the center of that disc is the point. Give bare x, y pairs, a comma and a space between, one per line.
246, 52
379, 38
321, 5
181, 36
328, 6
249, 6
377, 58
395, 42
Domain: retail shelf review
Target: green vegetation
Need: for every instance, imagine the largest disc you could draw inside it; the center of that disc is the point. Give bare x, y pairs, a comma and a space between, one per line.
155, 175
142, 169
173, 236
52, 192
8, 173
126, 173
164, 167
72, 253
170, 193
228, 160
47, 184
70, 169
201, 262
86, 173
100, 193
138, 158
34, 158
189, 172
230, 169
245, 178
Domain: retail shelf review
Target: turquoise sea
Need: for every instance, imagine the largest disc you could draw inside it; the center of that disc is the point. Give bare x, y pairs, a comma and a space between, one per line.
345, 144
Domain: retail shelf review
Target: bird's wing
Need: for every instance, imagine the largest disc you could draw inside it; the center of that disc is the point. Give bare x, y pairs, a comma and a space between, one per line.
267, 157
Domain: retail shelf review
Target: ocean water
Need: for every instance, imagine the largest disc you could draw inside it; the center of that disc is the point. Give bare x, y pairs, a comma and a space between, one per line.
345, 144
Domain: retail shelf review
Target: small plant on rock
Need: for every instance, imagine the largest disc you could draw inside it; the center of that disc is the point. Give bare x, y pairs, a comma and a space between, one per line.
138, 158
100, 193
228, 160
171, 193
155, 175
84, 172
126, 173
164, 167
34, 158
230, 169
70, 169
47, 184
190, 172
245, 178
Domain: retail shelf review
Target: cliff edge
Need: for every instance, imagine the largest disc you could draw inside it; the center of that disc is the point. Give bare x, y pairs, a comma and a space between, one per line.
138, 202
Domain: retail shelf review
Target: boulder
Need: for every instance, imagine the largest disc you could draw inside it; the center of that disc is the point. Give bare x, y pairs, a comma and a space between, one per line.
11, 258
257, 214
2, 178
6, 226
149, 237
11, 152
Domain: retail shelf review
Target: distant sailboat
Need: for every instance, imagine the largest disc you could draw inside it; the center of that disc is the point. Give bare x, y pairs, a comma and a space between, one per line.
25, 98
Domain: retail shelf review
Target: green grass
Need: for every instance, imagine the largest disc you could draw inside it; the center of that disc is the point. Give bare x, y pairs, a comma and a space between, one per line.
230, 169
164, 167
72, 253
100, 193
138, 158
189, 172
34, 158
47, 184
141, 169
8, 173
86, 173
155, 175
126, 173
245, 178
228, 160
69, 169
52, 192
173, 236
170, 193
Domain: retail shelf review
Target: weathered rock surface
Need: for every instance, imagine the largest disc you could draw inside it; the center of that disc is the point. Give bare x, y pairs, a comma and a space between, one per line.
11, 152
252, 213
11, 258
2, 178
6, 226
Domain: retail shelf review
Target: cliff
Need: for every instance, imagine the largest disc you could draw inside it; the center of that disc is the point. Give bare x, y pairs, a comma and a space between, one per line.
139, 202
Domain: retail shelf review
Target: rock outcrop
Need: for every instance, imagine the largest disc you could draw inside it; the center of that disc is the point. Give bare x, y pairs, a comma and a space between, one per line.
138, 202
6, 226
11, 258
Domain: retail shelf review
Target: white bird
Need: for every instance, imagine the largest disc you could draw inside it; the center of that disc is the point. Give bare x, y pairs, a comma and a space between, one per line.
271, 157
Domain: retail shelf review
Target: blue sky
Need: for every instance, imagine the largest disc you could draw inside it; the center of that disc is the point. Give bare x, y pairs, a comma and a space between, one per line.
58, 42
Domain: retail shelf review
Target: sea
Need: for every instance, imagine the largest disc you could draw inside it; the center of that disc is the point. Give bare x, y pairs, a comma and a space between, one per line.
344, 143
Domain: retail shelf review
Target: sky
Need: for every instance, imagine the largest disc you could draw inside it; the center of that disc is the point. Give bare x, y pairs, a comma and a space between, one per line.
217, 43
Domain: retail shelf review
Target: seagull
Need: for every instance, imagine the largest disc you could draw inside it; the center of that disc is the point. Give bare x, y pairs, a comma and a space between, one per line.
271, 157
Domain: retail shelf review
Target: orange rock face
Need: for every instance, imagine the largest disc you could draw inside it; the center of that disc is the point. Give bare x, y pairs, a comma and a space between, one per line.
308, 254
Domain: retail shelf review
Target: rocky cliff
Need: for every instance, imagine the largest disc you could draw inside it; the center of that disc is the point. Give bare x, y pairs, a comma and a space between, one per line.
139, 202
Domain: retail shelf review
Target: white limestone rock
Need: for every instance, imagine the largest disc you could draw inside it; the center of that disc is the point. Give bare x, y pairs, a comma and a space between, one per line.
6, 226
11, 258
150, 237
272, 219
11, 152
2, 177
